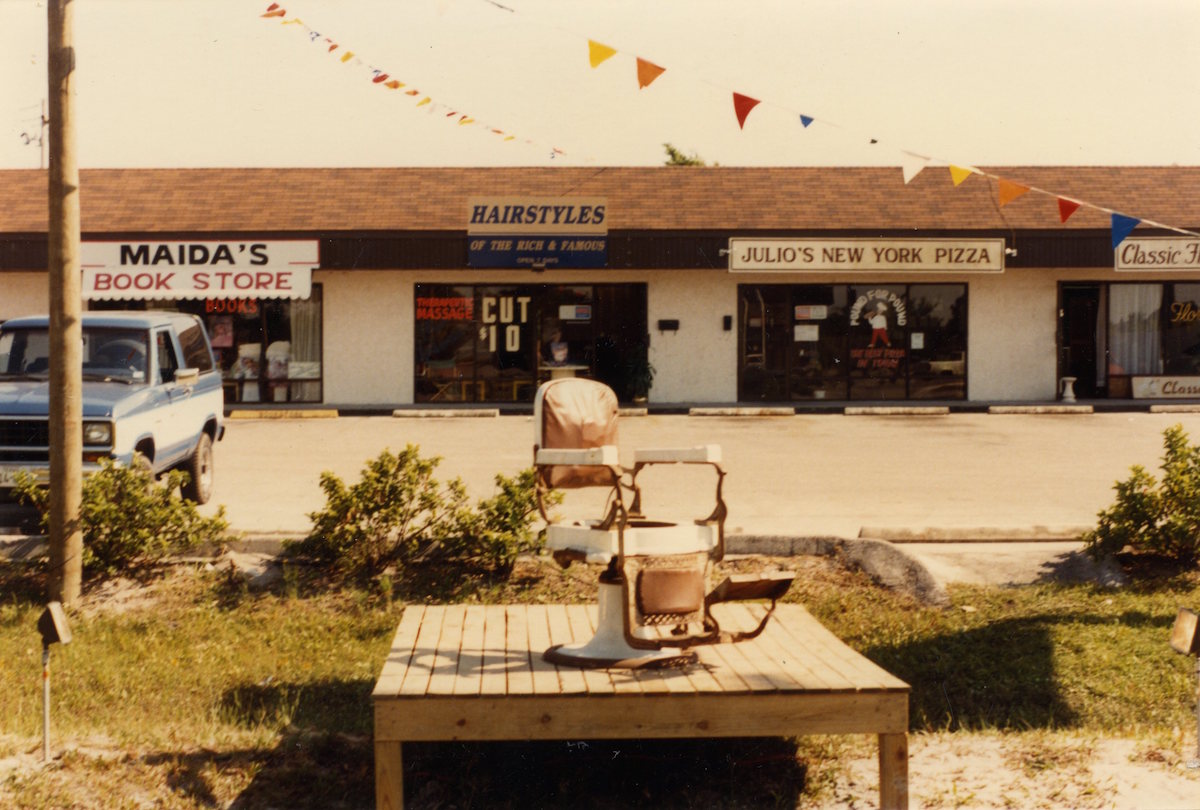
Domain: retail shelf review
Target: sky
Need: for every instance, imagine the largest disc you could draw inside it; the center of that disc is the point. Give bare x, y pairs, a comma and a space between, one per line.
198, 83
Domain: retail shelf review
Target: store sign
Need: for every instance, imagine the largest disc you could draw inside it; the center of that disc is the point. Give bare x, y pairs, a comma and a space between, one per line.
1154, 254
178, 270
1167, 387
537, 232
866, 255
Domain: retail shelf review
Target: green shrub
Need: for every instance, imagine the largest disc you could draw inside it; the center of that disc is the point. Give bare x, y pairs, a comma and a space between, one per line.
399, 516
1160, 517
128, 521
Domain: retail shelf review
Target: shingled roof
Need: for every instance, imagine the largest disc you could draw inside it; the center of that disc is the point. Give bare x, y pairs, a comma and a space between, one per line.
654, 198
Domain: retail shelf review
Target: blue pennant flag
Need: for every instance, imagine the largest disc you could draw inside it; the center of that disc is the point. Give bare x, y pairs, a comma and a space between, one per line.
805, 120
1122, 226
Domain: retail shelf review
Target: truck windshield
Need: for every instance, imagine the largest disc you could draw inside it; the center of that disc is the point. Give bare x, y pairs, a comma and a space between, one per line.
110, 354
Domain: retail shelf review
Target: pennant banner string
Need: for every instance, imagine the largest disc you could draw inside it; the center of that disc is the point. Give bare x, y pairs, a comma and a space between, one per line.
385, 79
911, 163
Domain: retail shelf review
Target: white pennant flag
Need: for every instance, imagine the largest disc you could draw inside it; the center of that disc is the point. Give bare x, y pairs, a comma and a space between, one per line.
911, 165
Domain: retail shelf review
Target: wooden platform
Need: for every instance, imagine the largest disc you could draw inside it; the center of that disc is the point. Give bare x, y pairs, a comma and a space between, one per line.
473, 672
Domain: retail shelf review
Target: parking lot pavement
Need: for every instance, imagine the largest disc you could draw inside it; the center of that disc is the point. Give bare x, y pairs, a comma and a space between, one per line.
804, 475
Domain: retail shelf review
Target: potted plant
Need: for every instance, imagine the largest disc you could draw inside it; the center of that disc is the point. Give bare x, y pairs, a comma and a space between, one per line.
640, 373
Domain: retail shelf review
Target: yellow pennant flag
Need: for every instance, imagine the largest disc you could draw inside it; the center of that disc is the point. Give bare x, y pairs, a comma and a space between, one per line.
1010, 191
347, 56
597, 53
958, 174
424, 101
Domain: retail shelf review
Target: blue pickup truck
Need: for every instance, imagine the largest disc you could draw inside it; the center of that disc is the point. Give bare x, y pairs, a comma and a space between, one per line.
151, 395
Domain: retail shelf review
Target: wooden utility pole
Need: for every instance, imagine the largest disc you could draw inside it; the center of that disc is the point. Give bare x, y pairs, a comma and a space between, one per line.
66, 332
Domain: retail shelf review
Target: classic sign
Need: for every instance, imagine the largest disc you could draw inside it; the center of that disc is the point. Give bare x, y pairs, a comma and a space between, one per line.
1157, 253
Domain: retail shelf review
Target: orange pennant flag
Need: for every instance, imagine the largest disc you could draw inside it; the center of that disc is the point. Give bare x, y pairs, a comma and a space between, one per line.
1066, 208
647, 72
597, 53
395, 84
742, 105
1010, 191
275, 11
958, 174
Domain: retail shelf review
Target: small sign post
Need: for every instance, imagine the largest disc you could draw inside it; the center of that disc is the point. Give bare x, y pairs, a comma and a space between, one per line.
52, 624
1185, 639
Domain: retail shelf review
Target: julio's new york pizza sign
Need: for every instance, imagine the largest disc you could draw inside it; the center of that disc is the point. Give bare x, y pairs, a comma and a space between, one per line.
866, 255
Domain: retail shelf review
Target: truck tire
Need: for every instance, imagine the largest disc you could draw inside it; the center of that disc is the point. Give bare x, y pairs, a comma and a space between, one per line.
199, 468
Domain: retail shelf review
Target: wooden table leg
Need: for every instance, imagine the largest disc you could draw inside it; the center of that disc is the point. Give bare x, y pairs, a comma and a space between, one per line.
893, 771
389, 776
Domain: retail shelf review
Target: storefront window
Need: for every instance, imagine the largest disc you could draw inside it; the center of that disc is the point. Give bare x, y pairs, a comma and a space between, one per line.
497, 343
268, 350
858, 342
1134, 340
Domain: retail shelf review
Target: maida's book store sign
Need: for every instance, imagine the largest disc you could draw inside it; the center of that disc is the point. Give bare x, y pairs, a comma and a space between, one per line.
537, 233
214, 270
866, 255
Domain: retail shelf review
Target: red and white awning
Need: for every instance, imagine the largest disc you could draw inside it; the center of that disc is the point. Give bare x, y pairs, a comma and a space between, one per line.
177, 270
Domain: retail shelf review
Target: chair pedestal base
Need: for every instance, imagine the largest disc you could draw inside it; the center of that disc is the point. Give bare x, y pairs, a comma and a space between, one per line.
608, 648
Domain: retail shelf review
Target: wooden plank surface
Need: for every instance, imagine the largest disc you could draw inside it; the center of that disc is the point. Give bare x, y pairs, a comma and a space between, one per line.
497, 650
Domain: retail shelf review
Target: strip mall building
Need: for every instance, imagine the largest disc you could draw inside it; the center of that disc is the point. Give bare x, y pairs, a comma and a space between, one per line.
380, 288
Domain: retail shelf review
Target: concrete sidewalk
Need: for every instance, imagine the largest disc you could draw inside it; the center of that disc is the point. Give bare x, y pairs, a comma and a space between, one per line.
925, 480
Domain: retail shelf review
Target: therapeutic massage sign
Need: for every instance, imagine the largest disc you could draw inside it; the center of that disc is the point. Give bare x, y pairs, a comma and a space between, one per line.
139, 270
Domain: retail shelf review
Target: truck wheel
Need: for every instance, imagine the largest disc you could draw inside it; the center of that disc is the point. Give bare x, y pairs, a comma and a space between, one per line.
200, 472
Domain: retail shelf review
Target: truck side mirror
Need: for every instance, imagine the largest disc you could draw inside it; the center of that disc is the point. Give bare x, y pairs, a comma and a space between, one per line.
187, 376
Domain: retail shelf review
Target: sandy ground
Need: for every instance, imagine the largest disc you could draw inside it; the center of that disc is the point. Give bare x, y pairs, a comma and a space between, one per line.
988, 770
1033, 770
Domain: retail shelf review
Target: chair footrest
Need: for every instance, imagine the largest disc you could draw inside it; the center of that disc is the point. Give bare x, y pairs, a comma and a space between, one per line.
737, 587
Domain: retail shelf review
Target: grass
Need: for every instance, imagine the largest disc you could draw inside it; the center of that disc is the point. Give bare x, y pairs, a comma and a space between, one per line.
193, 691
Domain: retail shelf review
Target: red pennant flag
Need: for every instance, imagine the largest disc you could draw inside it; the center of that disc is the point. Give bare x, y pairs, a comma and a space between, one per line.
1066, 208
742, 105
275, 11
382, 77
647, 72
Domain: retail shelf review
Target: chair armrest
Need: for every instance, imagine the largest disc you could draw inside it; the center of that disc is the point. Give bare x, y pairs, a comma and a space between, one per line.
605, 456
701, 454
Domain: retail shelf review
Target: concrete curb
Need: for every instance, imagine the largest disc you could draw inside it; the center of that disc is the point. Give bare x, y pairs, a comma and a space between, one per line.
882, 561
733, 411
284, 413
975, 534
448, 413
907, 410
1041, 409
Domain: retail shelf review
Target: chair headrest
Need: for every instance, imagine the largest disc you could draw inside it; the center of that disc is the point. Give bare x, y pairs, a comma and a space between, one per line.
575, 412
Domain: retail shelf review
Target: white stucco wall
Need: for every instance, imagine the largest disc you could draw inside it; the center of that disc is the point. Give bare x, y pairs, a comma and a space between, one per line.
1012, 328
1012, 320
23, 294
699, 362
368, 337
